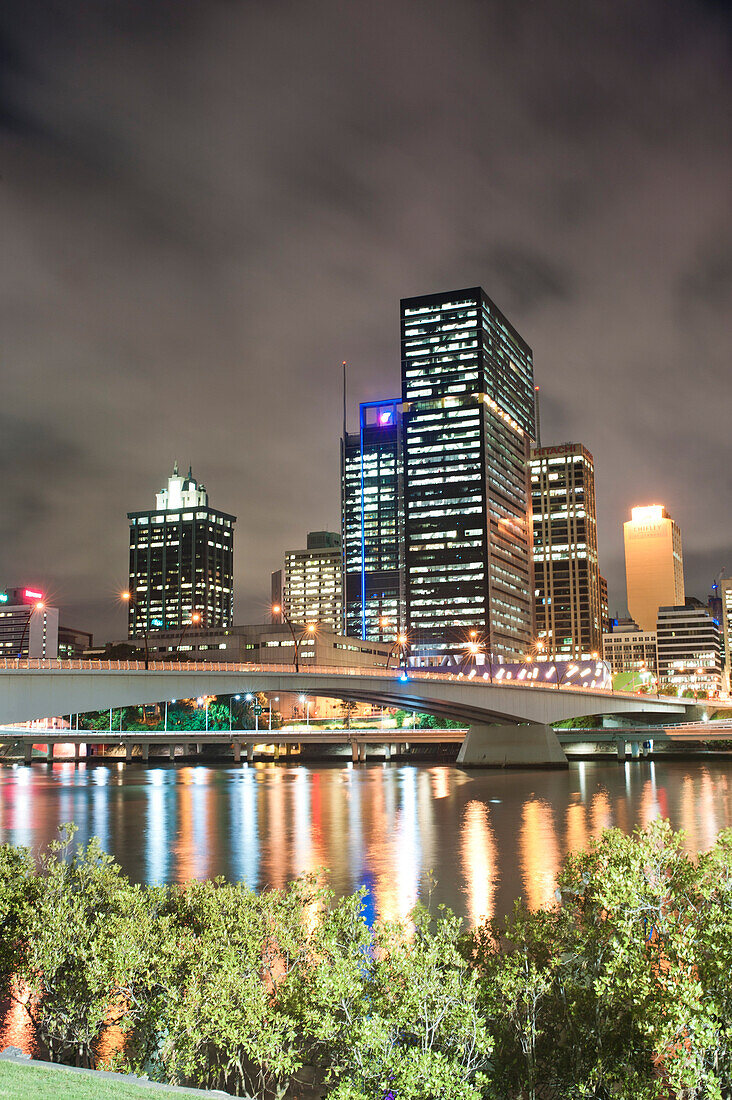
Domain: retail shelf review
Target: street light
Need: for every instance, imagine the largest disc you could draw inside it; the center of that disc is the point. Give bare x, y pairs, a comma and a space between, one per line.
193, 621
309, 631
304, 699
34, 607
130, 599
399, 648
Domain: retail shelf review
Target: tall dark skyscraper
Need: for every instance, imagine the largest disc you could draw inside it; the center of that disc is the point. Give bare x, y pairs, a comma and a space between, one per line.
569, 599
372, 523
181, 560
468, 413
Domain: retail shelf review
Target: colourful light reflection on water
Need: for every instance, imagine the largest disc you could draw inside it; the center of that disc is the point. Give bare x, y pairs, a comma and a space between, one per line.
473, 840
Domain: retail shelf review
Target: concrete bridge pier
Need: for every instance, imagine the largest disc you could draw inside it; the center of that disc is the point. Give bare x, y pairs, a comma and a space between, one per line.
128, 751
622, 747
635, 750
387, 752
171, 751
354, 752
237, 752
250, 754
27, 752
505, 746
145, 752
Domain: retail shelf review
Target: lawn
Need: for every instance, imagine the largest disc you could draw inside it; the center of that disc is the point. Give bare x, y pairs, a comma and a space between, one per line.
33, 1082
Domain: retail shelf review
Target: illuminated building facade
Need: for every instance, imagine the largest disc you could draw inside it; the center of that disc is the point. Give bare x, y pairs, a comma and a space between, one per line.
28, 627
724, 591
181, 560
689, 648
468, 414
604, 606
628, 649
313, 580
372, 523
568, 605
654, 569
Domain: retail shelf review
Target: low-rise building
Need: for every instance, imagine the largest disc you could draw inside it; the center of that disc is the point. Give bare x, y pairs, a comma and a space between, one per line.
627, 648
267, 644
689, 649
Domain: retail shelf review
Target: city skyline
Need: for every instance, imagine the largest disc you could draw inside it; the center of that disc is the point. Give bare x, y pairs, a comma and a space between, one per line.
183, 285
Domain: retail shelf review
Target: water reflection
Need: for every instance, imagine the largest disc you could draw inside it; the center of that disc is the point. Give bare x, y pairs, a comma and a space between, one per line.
475, 841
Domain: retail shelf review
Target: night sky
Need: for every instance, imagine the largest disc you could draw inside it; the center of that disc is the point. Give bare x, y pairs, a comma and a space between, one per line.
206, 207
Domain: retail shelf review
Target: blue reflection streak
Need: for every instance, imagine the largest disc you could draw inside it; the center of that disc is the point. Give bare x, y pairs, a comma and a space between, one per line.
157, 848
244, 836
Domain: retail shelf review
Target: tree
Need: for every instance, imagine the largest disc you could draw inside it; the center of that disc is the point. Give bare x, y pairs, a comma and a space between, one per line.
84, 950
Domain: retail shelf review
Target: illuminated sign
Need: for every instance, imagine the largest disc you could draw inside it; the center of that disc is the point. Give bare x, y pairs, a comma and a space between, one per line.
386, 417
3, 597
31, 595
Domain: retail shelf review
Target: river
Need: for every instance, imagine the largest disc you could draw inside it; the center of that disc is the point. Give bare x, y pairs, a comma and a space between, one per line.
474, 840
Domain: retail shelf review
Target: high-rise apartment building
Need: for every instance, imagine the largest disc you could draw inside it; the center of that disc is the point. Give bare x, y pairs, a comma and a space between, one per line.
724, 591
313, 579
372, 523
604, 606
688, 648
181, 560
468, 413
654, 569
568, 598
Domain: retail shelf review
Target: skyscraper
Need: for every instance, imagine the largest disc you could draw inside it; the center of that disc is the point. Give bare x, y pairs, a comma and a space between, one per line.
181, 560
468, 412
312, 591
724, 591
654, 569
372, 523
568, 603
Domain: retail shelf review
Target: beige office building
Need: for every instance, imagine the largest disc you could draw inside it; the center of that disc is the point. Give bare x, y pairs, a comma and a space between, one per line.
654, 569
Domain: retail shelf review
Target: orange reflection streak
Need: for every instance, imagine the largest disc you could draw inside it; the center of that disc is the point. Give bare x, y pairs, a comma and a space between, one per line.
440, 778
539, 853
276, 862
710, 826
601, 814
688, 813
479, 862
576, 827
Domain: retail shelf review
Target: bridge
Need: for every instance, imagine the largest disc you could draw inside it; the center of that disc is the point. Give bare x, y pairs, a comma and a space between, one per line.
509, 723
382, 743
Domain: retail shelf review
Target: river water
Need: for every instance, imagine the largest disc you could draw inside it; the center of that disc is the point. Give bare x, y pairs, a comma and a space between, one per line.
474, 840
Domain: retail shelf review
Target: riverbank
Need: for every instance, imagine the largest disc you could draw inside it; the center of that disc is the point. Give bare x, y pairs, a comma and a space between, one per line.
621, 987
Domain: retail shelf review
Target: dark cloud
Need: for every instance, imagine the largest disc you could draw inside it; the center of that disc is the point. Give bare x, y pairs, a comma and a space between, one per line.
207, 206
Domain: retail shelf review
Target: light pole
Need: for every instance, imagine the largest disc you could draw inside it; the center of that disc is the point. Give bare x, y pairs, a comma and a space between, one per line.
130, 599
304, 699
237, 697
193, 621
309, 631
34, 607
399, 649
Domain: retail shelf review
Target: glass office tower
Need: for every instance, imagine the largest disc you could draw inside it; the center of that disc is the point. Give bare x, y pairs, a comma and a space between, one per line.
568, 607
181, 560
372, 525
468, 412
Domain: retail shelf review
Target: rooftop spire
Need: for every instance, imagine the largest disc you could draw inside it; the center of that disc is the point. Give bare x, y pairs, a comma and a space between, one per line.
175, 468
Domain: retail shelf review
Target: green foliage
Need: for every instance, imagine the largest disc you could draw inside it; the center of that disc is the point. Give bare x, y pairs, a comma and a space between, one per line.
84, 951
622, 990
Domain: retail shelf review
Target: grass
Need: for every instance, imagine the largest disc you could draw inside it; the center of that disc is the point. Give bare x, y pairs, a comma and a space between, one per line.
35, 1083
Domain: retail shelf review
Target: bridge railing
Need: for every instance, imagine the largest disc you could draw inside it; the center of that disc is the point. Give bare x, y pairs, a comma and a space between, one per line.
58, 664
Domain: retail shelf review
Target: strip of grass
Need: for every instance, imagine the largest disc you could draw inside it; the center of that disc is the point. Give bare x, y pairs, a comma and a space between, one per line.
34, 1083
